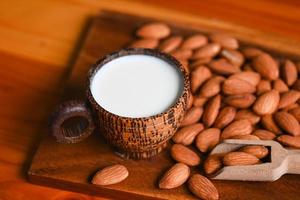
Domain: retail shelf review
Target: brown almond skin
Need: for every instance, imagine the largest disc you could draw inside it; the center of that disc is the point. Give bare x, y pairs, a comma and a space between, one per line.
145, 43
202, 187
289, 72
247, 68
280, 86
192, 116
223, 67
290, 107
257, 150
170, 44
156, 30
251, 77
208, 139
296, 113
266, 66
296, 85
225, 117
288, 123
239, 158
194, 42
267, 103
240, 127
213, 163
233, 56
234, 86
183, 154
249, 115
190, 101
110, 175
264, 134
251, 52
288, 98
268, 123
182, 54
175, 176
211, 110
289, 141
198, 62
208, 50
227, 42
246, 137
240, 101
263, 86
211, 87
199, 76
199, 101
187, 134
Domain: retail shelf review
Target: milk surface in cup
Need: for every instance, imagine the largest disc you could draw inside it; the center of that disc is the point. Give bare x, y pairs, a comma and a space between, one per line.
137, 86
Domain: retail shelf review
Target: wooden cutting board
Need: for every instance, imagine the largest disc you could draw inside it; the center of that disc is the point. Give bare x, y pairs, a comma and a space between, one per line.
71, 166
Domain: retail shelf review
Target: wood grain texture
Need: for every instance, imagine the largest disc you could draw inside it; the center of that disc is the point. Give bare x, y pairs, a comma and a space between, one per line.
37, 42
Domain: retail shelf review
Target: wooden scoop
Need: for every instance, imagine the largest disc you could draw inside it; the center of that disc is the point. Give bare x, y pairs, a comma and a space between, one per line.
283, 161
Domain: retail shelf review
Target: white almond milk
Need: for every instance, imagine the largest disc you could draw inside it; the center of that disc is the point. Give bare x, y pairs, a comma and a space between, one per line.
137, 86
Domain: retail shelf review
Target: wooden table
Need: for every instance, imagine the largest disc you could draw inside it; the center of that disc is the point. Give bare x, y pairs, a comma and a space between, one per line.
38, 41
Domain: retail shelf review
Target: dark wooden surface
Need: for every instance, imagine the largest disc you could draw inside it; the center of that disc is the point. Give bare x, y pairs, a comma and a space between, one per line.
81, 161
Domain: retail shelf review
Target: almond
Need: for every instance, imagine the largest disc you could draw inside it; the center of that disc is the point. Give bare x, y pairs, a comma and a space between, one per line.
240, 101
155, 30
199, 62
296, 113
290, 141
267, 103
199, 101
296, 85
249, 115
233, 56
256, 150
207, 139
194, 41
288, 98
290, 107
213, 163
223, 67
212, 87
190, 101
182, 54
264, 134
225, 117
170, 44
211, 110
269, 124
263, 86
187, 134
239, 158
199, 76
203, 188
280, 86
251, 77
192, 116
183, 154
289, 72
227, 42
175, 176
288, 123
247, 68
246, 137
145, 43
266, 66
110, 175
234, 86
251, 52
208, 50
240, 127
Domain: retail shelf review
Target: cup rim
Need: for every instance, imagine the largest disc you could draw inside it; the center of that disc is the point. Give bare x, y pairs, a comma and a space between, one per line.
138, 51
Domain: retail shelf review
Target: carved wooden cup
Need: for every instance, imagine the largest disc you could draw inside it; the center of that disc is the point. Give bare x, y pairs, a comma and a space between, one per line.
132, 137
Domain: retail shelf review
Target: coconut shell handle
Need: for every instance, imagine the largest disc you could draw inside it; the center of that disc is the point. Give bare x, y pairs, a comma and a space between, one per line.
72, 122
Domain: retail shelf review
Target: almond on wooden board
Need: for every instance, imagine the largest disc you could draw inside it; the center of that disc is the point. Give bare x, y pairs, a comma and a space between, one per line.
239, 158
251, 52
233, 86
247, 114
280, 86
233, 56
145, 43
288, 98
246, 137
182, 54
289, 141
110, 175
223, 67
267, 103
155, 30
266, 66
192, 116
187, 134
240, 100
288, 123
208, 50
263, 86
170, 44
264, 134
226, 41
240, 127
296, 113
207, 139
199, 76
183, 154
213, 163
251, 77
175, 176
257, 150
202, 187
211, 110
211, 87
225, 117
289, 72
194, 41
268, 123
